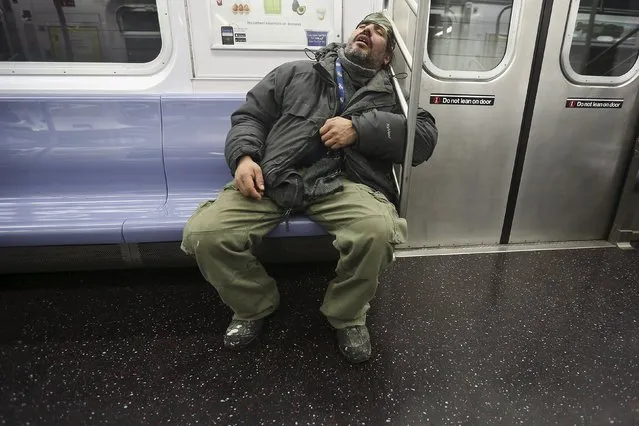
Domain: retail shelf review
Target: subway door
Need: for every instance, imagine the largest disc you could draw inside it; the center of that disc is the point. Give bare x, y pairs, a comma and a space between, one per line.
583, 123
478, 59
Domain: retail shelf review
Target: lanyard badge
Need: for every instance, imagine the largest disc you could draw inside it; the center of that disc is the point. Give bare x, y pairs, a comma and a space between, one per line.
339, 72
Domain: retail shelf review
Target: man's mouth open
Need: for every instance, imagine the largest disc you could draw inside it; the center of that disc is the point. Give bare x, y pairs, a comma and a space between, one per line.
362, 41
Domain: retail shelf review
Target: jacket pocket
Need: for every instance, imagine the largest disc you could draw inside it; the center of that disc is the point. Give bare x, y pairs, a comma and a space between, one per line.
288, 141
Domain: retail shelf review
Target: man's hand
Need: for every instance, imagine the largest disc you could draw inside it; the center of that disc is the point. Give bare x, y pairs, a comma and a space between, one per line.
248, 178
338, 132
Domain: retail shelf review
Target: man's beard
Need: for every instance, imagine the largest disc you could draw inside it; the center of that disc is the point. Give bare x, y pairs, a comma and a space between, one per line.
362, 58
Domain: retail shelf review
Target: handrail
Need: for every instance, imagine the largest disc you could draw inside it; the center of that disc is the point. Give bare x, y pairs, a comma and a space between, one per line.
412, 5
404, 106
413, 101
400, 93
400, 42
409, 109
396, 180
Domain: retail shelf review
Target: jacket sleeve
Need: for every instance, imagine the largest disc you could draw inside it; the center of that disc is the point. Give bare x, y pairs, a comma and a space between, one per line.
382, 135
251, 123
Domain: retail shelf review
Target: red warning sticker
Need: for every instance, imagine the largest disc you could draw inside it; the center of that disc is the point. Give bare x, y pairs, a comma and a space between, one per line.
594, 103
467, 100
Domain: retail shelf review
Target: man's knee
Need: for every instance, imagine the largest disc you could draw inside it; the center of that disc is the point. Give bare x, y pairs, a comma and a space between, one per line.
212, 241
203, 231
371, 231
378, 228
382, 229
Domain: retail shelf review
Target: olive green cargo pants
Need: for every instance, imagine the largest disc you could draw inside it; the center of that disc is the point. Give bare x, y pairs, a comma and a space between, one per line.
222, 233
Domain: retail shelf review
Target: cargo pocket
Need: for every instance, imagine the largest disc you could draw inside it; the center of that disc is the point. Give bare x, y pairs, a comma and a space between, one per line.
185, 245
199, 208
229, 186
397, 225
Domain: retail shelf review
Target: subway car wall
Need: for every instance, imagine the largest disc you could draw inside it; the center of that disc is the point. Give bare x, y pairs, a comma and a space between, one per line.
113, 116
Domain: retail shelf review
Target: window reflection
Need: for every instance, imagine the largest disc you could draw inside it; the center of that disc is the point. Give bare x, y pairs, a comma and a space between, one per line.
606, 38
117, 31
468, 36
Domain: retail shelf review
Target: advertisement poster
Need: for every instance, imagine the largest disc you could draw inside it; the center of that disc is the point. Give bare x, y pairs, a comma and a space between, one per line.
275, 24
85, 43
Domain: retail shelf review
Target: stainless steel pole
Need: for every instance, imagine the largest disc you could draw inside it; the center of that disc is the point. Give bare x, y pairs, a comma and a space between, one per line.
413, 100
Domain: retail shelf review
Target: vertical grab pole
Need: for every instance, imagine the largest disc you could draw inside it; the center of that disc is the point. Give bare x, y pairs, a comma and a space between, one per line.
413, 101
404, 106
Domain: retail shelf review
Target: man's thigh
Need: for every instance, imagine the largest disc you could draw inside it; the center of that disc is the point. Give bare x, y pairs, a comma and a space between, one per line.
233, 213
358, 202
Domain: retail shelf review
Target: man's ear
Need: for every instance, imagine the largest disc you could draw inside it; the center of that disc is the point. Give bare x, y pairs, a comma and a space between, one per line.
387, 60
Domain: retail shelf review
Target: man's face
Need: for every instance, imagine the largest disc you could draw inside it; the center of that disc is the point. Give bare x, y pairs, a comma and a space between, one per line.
367, 46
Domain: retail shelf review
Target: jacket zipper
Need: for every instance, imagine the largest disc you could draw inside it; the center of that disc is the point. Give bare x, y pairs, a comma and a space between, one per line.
329, 80
325, 76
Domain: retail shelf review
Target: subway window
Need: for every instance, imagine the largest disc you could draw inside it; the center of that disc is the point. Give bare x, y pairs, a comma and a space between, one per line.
104, 31
5, 48
605, 38
468, 36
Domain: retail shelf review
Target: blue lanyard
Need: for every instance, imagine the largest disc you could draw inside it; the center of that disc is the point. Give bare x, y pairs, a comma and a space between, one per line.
340, 84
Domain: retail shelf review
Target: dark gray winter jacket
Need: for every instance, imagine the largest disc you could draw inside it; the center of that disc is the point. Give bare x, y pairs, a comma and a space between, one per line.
278, 126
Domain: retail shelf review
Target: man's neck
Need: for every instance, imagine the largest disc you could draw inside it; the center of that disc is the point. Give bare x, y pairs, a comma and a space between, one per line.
359, 75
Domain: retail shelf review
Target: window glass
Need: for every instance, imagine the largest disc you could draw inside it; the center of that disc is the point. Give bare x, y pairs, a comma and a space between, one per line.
5, 48
605, 40
115, 31
468, 36
623, 6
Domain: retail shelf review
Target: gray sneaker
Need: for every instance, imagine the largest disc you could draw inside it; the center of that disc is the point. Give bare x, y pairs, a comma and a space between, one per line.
241, 333
354, 343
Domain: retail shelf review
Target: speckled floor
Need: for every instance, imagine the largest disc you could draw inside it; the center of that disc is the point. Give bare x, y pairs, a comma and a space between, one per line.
520, 338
